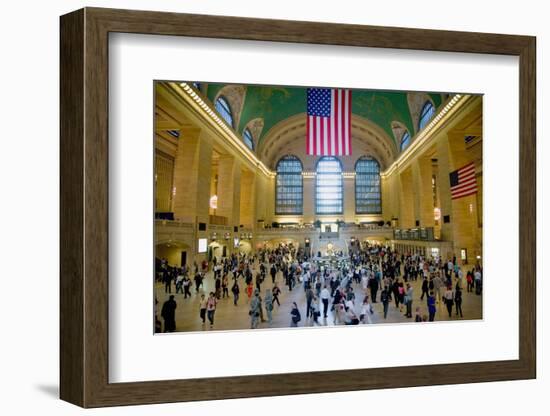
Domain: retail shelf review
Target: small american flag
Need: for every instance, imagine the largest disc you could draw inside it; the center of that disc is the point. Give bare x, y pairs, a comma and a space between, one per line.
463, 181
328, 122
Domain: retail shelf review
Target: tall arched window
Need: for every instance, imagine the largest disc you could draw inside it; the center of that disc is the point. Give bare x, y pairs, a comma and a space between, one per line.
405, 140
368, 196
428, 111
328, 186
289, 186
223, 108
248, 139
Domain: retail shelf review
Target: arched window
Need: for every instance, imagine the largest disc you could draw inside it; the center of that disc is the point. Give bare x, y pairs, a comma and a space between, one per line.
428, 111
367, 186
248, 139
405, 140
328, 186
223, 108
289, 186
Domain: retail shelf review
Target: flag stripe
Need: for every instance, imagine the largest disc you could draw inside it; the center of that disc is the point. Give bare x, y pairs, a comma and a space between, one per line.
463, 181
332, 123
464, 184
328, 126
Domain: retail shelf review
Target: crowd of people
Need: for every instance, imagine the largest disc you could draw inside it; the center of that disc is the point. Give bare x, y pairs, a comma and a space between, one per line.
343, 287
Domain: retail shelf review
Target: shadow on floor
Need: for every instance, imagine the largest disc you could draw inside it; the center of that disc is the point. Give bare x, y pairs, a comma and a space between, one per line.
49, 390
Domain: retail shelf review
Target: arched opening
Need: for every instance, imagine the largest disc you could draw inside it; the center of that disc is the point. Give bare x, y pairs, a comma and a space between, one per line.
224, 110
428, 111
289, 186
329, 186
368, 194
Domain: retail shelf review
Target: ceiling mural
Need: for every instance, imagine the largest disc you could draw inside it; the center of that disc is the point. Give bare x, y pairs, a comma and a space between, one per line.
274, 104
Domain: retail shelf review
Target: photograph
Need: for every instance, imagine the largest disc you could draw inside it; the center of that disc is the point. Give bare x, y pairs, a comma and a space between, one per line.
313, 206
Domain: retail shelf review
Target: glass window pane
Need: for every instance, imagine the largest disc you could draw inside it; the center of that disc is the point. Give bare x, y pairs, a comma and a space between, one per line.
368, 195
329, 186
405, 140
248, 140
288, 186
222, 107
426, 115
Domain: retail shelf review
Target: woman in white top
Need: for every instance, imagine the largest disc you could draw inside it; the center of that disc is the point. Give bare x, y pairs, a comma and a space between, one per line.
350, 317
366, 311
365, 282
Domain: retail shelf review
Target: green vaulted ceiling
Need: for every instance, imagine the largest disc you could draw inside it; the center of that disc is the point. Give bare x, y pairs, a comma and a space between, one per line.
275, 104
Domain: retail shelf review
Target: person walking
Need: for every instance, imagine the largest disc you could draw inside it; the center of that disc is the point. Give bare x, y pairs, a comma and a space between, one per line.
179, 283
431, 306
211, 308
254, 312
350, 317
325, 297
269, 306
424, 288
249, 291
273, 272
315, 310
438, 284
202, 308
168, 313
167, 282
309, 299
366, 311
198, 281
186, 287
409, 300
385, 299
235, 290
458, 302
225, 284
448, 297
418, 315
373, 283
276, 292
295, 316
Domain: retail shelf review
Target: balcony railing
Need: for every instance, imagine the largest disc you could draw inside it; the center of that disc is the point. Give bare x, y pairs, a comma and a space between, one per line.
421, 234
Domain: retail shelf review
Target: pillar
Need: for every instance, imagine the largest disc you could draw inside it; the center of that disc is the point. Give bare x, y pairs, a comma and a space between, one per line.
423, 193
192, 171
229, 189
349, 198
406, 200
462, 228
308, 183
248, 198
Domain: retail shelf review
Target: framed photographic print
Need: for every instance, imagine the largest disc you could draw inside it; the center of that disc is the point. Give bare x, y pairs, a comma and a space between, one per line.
242, 200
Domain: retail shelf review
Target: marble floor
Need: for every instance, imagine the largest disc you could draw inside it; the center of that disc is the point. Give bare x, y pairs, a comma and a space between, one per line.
231, 317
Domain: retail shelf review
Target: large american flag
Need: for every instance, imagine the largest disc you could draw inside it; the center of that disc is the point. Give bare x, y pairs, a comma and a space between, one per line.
463, 181
328, 122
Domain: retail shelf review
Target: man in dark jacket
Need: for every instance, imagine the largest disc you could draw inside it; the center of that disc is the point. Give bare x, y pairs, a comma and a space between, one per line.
373, 283
168, 313
424, 288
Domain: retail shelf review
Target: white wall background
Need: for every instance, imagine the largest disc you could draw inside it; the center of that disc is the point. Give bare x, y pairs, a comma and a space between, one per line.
29, 159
